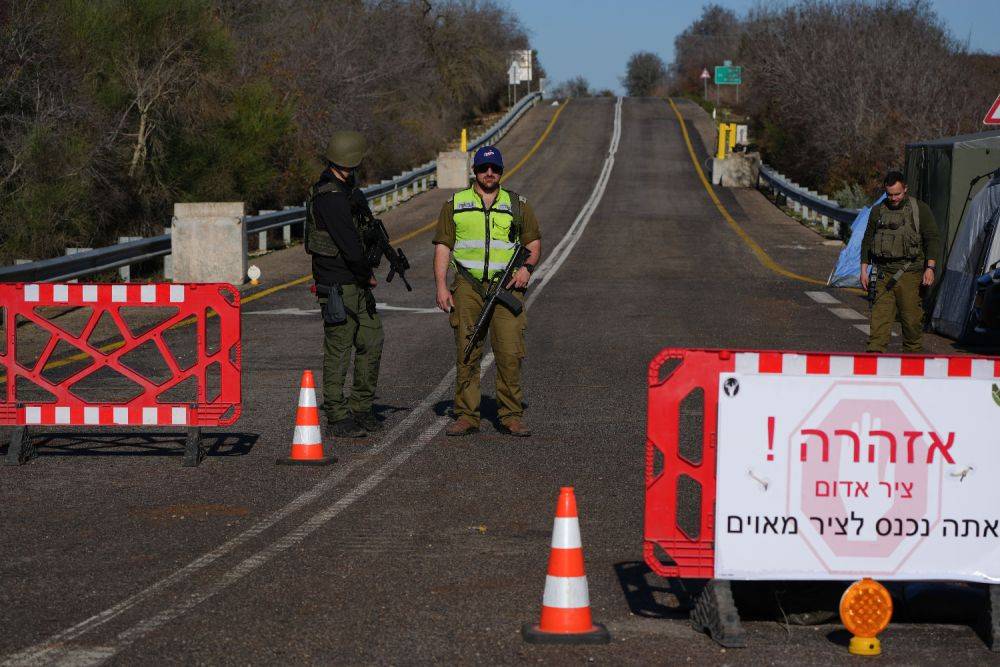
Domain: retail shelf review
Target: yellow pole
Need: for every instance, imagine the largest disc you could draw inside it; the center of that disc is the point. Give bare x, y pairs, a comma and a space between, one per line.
465, 140
732, 136
721, 152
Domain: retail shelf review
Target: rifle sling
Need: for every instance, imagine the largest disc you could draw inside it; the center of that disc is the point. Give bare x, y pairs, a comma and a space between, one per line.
471, 279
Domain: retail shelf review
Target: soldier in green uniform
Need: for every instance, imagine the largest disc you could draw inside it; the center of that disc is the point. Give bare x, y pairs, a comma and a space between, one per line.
902, 244
344, 282
477, 230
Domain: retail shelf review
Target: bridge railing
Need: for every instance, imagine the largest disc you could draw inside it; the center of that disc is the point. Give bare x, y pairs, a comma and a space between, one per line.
809, 204
382, 196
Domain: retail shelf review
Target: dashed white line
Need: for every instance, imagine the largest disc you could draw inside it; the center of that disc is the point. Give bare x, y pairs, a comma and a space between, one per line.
847, 314
822, 297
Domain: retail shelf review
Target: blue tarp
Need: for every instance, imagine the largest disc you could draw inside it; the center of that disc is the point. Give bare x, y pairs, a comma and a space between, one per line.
847, 273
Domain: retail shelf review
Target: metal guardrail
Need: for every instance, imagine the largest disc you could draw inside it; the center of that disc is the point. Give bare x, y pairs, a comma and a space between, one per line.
382, 196
807, 203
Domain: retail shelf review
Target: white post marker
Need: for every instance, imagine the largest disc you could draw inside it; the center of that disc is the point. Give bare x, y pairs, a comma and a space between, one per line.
993, 115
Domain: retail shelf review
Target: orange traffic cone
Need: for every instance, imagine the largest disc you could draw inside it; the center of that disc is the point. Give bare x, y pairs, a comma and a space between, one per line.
307, 442
566, 603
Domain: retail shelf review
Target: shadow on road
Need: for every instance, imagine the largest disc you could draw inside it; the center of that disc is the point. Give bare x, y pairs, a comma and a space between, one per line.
135, 444
666, 598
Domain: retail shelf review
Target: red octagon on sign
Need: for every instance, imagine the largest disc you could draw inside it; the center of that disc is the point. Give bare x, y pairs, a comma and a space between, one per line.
859, 511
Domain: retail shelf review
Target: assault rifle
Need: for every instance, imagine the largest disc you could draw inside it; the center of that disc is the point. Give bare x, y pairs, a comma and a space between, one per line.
377, 246
497, 292
872, 284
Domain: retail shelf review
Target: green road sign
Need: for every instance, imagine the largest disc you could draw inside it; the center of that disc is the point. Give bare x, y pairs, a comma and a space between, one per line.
728, 75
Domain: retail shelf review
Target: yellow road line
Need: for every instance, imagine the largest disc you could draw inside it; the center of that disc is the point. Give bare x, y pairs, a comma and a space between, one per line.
110, 347
761, 254
510, 172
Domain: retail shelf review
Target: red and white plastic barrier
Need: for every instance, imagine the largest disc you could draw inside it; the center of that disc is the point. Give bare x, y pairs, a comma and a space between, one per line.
193, 303
781, 465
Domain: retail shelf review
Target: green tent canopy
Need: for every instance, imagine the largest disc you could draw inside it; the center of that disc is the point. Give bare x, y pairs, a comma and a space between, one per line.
939, 172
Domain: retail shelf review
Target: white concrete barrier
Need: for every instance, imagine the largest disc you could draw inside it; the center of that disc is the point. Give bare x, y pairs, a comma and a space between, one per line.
208, 243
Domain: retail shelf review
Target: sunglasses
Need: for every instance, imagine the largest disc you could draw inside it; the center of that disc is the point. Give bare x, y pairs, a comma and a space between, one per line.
483, 168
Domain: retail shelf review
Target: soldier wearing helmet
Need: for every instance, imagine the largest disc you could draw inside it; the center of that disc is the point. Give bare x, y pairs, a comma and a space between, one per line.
344, 280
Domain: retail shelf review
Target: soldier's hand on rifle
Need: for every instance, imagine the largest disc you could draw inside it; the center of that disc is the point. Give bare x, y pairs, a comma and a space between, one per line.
520, 279
444, 299
373, 281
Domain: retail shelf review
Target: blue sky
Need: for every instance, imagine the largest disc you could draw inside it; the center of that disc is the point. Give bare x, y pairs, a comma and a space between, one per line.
594, 38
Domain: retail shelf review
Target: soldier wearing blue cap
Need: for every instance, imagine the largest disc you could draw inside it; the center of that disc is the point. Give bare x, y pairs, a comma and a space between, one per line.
476, 232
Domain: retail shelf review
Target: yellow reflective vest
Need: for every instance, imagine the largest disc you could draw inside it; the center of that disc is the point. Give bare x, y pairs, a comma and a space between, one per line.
484, 240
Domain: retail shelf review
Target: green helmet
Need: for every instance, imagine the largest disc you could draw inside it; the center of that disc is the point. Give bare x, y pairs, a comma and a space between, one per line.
346, 148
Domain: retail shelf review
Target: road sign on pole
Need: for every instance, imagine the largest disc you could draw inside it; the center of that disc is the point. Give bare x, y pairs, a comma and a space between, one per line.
705, 76
993, 115
728, 75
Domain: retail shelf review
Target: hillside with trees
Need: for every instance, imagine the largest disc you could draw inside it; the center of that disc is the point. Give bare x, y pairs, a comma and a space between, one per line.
111, 111
835, 89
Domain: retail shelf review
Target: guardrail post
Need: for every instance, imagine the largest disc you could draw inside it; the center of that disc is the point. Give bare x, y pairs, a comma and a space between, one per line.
286, 235
125, 272
262, 236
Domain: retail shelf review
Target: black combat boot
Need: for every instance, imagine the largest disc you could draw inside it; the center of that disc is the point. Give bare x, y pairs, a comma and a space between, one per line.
368, 421
347, 428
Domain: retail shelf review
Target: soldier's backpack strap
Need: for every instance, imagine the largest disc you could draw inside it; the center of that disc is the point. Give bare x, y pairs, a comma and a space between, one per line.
916, 213
322, 190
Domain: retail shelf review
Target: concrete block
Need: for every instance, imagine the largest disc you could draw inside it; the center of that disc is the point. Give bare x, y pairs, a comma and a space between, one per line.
209, 243
453, 170
738, 170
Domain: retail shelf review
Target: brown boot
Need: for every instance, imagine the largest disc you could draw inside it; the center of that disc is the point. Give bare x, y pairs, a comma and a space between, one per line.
515, 427
461, 426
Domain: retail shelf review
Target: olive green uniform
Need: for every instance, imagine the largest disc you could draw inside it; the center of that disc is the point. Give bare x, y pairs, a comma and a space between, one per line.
506, 332
362, 334
342, 270
899, 242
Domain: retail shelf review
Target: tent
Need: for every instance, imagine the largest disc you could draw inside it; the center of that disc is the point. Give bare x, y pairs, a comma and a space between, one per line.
974, 251
939, 172
847, 272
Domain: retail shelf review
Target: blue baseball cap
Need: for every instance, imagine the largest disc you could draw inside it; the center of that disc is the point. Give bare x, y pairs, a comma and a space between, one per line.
488, 155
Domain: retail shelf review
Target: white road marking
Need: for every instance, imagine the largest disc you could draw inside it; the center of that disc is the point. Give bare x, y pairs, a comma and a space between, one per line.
822, 297
847, 314
843, 313
54, 650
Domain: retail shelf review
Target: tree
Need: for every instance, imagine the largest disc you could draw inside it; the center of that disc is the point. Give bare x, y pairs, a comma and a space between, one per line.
876, 94
712, 39
577, 86
645, 74
110, 111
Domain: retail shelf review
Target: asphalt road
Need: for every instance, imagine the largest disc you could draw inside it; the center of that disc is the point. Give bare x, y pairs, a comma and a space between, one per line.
417, 548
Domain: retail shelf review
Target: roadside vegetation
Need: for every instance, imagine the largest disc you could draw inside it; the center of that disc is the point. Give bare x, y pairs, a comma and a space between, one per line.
836, 89
578, 86
111, 111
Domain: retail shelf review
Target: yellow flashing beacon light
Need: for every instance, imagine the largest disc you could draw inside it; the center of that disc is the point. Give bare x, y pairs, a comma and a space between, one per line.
865, 610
